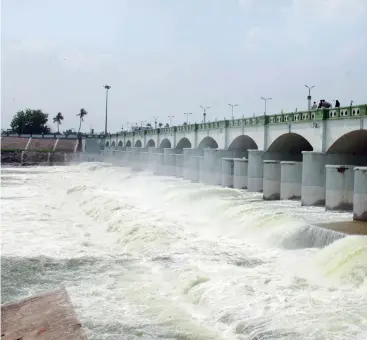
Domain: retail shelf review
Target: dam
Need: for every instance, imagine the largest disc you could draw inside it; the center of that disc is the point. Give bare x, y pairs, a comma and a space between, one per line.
318, 157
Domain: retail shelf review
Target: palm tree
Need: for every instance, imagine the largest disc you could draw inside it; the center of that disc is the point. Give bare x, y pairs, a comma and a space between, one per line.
81, 115
58, 120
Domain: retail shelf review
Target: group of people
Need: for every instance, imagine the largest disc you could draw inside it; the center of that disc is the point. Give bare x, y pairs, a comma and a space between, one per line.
325, 104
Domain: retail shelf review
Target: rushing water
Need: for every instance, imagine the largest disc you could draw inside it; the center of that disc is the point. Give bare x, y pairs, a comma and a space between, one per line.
146, 257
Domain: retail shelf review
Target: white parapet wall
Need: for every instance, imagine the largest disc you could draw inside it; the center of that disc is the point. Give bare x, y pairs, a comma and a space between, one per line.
360, 194
227, 172
290, 180
201, 170
271, 180
339, 187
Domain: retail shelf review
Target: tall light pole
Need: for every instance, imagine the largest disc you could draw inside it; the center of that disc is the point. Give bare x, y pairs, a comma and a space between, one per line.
204, 113
266, 99
232, 106
107, 87
309, 96
187, 116
170, 120
155, 121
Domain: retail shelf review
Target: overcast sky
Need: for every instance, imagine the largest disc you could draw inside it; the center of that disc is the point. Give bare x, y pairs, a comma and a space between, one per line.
167, 57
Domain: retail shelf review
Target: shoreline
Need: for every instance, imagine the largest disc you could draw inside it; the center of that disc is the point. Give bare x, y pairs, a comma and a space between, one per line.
347, 227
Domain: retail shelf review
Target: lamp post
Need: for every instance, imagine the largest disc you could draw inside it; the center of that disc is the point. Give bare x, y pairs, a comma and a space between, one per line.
309, 96
204, 113
265, 100
155, 121
170, 120
187, 116
107, 87
232, 106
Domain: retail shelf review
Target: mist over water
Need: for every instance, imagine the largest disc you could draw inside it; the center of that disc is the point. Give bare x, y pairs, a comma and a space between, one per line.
147, 257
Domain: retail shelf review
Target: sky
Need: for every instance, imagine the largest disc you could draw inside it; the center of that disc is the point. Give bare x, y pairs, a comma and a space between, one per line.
166, 57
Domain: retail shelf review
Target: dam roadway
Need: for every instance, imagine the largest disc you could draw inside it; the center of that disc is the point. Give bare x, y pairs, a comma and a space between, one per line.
318, 157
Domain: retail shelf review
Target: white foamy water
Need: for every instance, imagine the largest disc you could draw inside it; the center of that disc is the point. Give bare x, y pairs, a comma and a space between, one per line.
147, 257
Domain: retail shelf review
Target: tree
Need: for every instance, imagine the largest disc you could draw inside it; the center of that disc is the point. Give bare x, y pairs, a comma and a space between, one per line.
81, 115
167, 125
30, 122
160, 124
150, 125
184, 123
58, 119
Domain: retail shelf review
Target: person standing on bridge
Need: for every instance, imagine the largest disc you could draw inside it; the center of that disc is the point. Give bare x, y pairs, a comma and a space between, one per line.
314, 106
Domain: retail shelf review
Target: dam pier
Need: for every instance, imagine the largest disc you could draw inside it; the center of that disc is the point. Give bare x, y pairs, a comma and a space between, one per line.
318, 157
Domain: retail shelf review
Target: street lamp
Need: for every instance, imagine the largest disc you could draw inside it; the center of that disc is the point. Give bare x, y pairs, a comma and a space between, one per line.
155, 121
187, 116
309, 96
107, 87
204, 113
170, 120
266, 99
232, 106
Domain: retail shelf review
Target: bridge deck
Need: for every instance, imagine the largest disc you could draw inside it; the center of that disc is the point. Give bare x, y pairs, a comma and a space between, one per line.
47, 316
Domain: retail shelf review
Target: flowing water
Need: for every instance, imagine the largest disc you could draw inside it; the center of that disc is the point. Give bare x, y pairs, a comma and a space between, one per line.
146, 257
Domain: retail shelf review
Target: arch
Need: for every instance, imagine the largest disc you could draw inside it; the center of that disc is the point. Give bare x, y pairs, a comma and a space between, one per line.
243, 142
291, 143
151, 143
119, 145
107, 143
183, 143
128, 144
165, 143
208, 142
113, 144
354, 143
138, 143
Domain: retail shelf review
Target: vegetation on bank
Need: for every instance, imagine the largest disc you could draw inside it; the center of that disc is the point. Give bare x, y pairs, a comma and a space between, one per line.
34, 122
21, 150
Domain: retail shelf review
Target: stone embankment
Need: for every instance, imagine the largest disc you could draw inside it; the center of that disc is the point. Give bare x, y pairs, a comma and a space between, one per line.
27, 158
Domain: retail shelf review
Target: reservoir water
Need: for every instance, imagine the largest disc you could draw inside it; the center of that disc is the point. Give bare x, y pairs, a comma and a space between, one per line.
147, 257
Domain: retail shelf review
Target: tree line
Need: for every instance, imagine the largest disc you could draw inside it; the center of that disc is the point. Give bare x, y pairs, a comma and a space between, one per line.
35, 122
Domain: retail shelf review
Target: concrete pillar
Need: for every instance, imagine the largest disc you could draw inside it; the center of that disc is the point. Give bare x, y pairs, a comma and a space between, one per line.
195, 168
271, 180
208, 171
201, 170
290, 180
179, 165
169, 162
227, 172
360, 194
339, 187
255, 170
240, 169
313, 178
135, 158
151, 158
144, 160
159, 164
187, 164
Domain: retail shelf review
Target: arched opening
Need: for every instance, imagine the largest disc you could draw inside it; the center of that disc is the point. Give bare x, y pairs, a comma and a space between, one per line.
119, 144
183, 143
107, 144
243, 143
290, 143
128, 144
165, 144
208, 142
138, 144
151, 143
353, 143
113, 144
